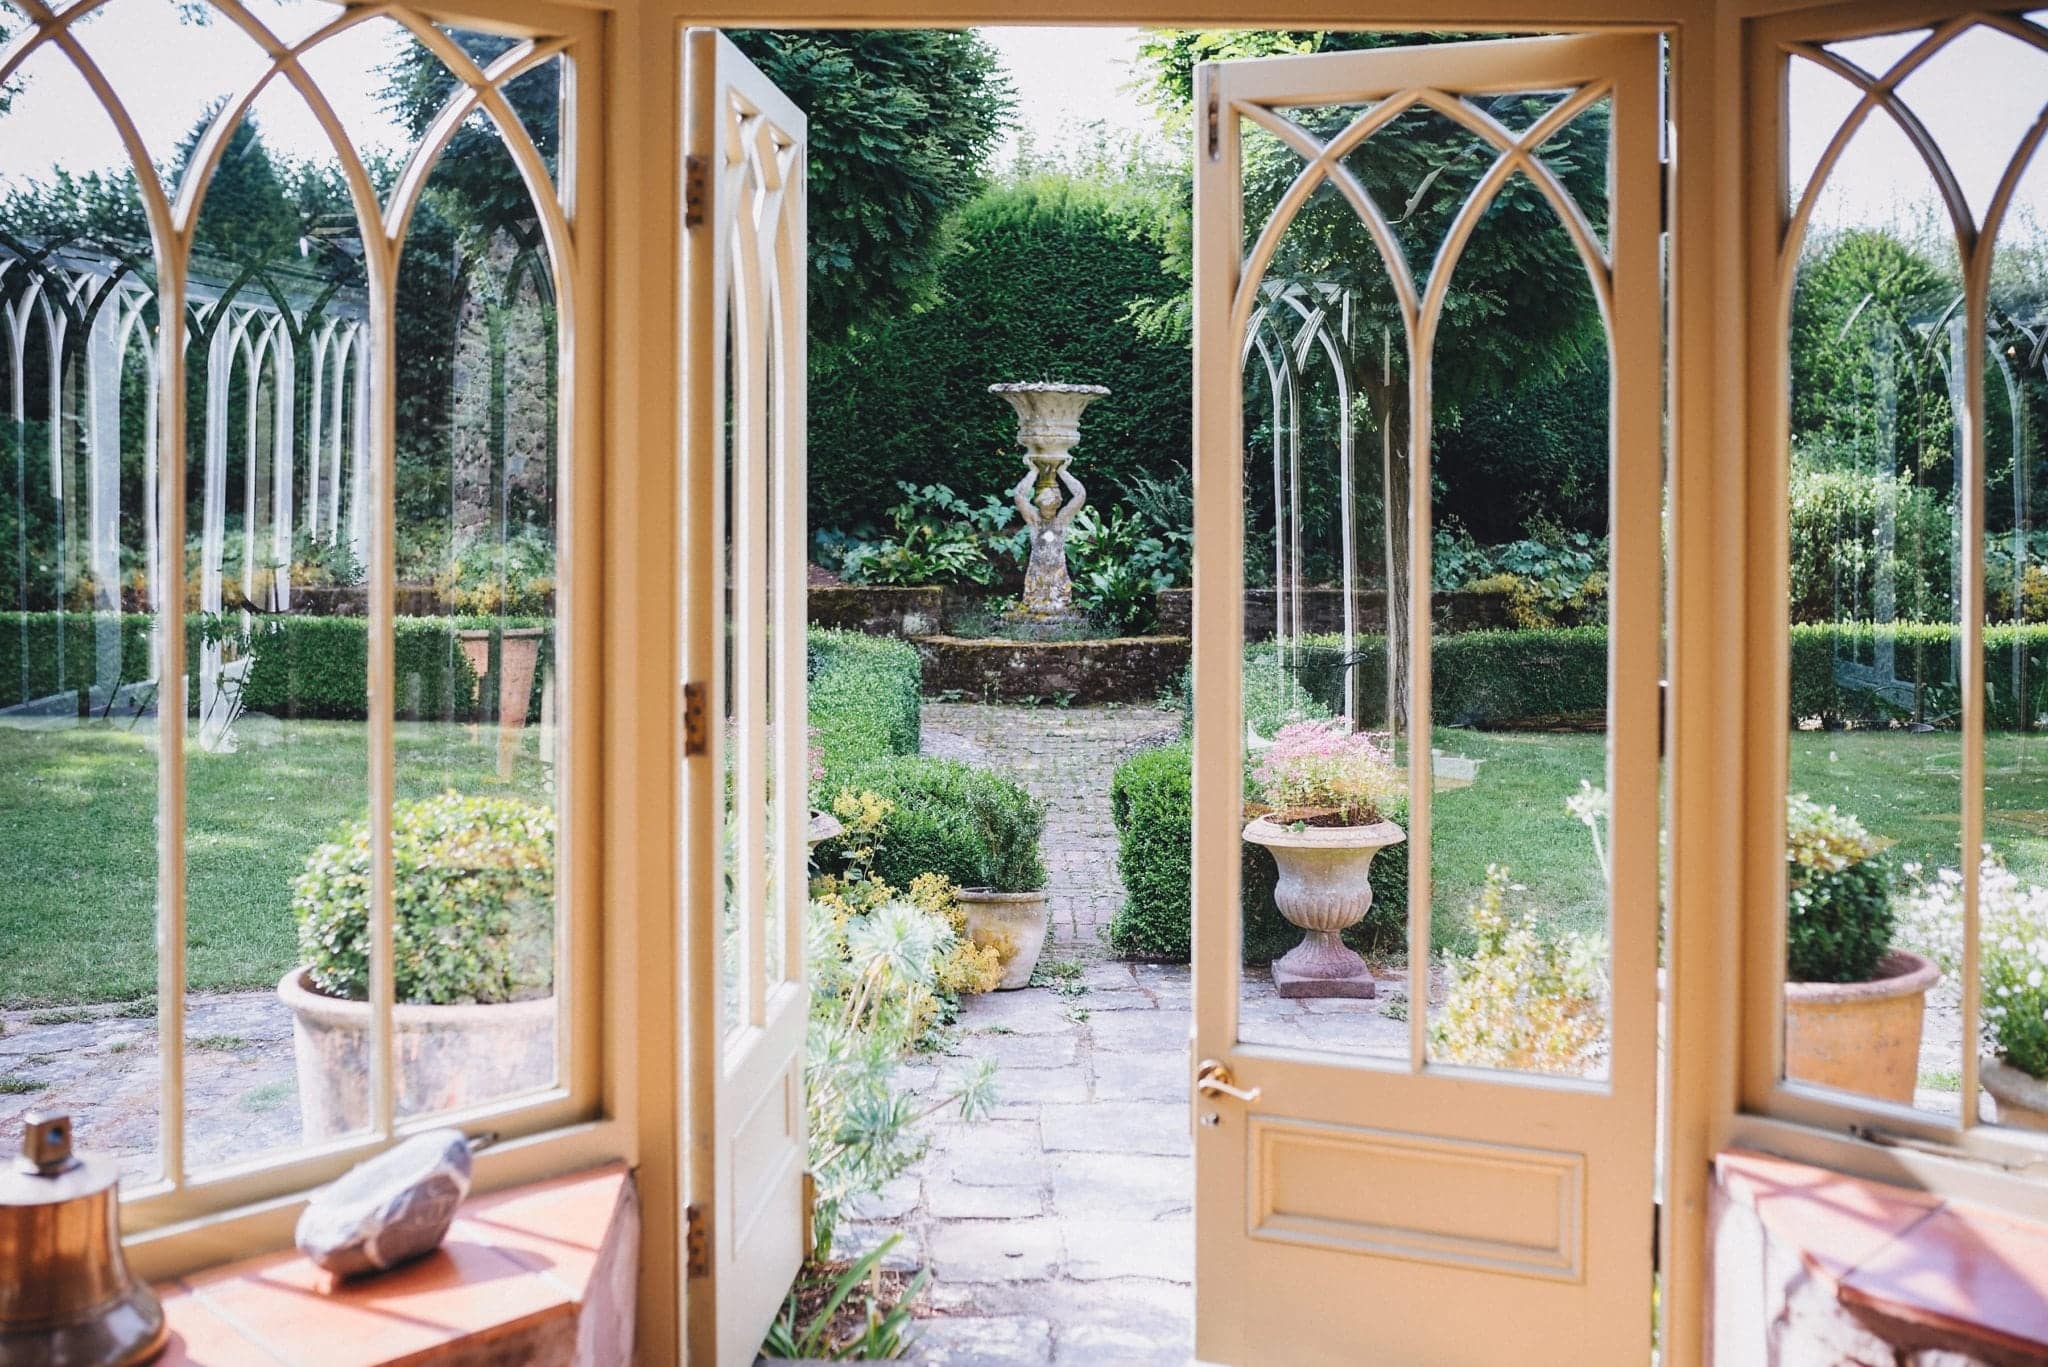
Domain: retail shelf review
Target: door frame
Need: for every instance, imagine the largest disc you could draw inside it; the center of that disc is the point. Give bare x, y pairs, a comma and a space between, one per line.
645, 775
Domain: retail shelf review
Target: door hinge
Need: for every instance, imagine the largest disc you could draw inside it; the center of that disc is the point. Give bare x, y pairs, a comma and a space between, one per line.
1215, 126
1656, 1237
696, 188
696, 1241
696, 732
1663, 196
810, 1213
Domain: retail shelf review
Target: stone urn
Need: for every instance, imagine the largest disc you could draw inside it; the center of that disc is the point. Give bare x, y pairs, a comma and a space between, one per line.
1048, 498
1861, 1037
1015, 919
445, 1057
2022, 1098
1324, 890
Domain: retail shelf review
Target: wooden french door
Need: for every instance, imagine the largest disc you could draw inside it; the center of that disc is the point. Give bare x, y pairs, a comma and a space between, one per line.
744, 849
1364, 1192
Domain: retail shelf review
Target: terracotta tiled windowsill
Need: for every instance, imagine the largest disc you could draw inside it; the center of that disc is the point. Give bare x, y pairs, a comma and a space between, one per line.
1893, 1257
540, 1274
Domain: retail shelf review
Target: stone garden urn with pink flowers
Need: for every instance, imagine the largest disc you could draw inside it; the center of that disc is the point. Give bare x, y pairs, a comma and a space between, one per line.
1329, 789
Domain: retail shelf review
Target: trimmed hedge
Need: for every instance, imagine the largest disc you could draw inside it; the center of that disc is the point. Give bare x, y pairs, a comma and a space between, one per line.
1152, 803
306, 666
973, 825
1533, 678
864, 694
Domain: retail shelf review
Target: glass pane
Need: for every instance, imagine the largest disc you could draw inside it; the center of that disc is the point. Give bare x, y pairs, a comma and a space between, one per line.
2013, 941
1519, 921
1325, 382
1977, 96
80, 671
479, 673
277, 752
1876, 751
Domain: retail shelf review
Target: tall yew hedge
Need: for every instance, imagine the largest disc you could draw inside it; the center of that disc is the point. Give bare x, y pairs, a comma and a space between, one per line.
1034, 282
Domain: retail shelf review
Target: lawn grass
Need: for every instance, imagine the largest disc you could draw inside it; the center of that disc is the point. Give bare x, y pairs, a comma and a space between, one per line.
78, 846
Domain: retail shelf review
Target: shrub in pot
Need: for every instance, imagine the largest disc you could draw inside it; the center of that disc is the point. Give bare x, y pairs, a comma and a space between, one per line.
473, 958
975, 828
1329, 790
1854, 1003
2012, 973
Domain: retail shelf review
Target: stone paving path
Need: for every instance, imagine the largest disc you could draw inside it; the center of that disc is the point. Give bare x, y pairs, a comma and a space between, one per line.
1060, 1230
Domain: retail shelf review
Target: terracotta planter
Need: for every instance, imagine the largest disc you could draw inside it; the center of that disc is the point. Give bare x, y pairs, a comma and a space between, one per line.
1324, 889
1861, 1037
2022, 1098
446, 1057
1019, 916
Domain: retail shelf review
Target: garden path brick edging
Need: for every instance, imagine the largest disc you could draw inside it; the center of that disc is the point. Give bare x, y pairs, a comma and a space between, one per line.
1128, 669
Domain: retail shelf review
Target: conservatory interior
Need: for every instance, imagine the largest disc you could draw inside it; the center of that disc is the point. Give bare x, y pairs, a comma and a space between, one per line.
667, 696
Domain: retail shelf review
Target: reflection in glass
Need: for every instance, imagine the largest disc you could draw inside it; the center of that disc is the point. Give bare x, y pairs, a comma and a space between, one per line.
1518, 480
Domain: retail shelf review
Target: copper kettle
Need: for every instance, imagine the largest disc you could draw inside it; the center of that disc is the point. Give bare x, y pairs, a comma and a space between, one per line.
66, 1296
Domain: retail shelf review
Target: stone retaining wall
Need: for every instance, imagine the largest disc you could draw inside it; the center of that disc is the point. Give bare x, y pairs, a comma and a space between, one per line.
878, 611
1132, 669
1322, 611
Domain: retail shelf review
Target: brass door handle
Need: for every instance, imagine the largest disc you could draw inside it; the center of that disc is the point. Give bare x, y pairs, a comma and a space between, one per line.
1212, 1078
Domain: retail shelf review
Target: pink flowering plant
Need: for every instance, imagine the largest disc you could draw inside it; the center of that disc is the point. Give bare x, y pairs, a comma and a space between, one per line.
1327, 774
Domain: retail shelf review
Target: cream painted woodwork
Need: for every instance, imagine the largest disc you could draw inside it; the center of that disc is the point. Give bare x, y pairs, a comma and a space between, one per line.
1342, 1204
745, 858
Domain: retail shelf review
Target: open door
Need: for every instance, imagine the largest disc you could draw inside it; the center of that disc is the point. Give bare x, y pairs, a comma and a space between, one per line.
1391, 1185
745, 854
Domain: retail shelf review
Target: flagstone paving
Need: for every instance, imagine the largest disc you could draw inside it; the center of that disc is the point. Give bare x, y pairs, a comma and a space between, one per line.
1060, 1229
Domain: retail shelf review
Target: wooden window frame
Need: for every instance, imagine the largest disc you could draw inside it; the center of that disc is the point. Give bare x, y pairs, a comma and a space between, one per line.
1879, 1140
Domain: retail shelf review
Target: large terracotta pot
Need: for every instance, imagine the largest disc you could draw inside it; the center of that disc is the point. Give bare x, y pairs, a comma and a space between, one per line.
2022, 1098
1019, 917
446, 1057
1861, 1037
1324, 889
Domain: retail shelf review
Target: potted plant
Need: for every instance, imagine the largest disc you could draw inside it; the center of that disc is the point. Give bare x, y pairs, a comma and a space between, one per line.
512, 578
1329, 789
1854, 1002
473, 955
973, 827
2012, 971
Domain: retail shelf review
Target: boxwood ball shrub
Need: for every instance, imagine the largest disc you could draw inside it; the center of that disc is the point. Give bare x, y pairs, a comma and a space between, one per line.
973, 825
1838, 910
863, 699
1152, 804
474, 919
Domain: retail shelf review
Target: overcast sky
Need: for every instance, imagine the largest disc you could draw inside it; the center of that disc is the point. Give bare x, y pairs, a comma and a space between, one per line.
1976, 98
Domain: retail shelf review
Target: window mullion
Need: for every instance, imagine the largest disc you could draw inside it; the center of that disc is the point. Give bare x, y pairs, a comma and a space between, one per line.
171, 684
383, 277
1975, 486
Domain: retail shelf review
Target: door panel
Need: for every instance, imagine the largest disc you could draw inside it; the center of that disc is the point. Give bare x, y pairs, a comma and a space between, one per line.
1385, 1173
743, 422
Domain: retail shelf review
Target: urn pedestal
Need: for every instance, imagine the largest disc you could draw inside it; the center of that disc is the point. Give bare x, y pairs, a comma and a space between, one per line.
1324, 889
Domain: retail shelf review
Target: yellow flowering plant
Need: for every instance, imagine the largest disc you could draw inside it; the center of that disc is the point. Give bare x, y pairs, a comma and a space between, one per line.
1521, 1000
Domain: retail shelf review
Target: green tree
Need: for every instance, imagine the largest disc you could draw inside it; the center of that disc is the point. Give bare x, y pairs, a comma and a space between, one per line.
901, 123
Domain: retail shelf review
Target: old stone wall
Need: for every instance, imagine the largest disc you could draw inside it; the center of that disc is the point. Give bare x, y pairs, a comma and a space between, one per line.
1322, 611
1132, 669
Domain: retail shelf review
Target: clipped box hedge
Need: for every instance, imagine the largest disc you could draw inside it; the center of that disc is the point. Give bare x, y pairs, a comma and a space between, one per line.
1152, 804
864, 694
305, 666
975, 826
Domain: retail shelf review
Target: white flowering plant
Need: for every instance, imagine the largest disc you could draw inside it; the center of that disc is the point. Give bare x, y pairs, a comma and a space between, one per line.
2013, 954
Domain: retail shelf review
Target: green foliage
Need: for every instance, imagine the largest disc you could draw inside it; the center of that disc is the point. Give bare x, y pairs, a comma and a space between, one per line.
901, 120
863, 700
1922, 653
874, 978
488, 577
1522, 999
1034, 282
974, 826
1838, 515
935, 541
474, 915
882, 1336
2013, 955
1839, 917
1152, 805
